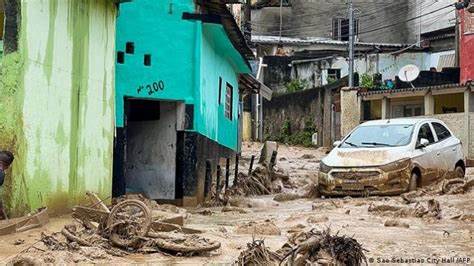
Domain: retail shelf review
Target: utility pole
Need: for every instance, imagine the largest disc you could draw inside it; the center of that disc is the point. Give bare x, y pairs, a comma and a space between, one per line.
351, 44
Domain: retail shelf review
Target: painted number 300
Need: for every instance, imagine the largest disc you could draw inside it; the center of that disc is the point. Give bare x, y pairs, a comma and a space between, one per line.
152, 88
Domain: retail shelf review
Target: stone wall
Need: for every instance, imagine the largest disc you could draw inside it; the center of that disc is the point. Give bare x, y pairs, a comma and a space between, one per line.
457, 123
350, 110
297, 108
316, 107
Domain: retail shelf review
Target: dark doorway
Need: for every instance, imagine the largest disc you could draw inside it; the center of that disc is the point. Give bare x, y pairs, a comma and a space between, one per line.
145, 150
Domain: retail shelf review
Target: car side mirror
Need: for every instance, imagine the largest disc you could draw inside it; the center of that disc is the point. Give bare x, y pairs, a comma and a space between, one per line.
423, 143
336, 143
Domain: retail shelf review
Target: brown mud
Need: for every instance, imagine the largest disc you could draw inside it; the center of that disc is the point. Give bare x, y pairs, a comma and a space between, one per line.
444, 230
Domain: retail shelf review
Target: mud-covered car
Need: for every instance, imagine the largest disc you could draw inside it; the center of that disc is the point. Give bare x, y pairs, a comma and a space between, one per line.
389, 157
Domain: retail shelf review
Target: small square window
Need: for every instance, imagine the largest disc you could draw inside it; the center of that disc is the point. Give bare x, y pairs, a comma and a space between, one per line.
147, 60
130, 48
120, 57
229, 101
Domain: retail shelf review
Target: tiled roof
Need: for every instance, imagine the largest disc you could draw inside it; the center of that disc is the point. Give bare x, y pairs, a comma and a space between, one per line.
262, 39
390, 91
219, 7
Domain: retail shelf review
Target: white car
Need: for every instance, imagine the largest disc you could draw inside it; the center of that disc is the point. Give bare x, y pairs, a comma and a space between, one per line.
389, 157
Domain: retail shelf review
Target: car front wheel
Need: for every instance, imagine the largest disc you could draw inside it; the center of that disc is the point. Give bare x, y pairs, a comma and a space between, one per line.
459, 172
413, 182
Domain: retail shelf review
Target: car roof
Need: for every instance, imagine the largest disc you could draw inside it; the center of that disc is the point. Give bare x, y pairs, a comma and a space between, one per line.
398, 121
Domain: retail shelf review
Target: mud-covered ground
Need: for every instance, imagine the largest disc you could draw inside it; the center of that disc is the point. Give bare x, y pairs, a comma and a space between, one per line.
419, 239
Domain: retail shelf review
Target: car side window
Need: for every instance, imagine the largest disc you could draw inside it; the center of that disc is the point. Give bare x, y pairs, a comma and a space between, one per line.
426, 133
441, 131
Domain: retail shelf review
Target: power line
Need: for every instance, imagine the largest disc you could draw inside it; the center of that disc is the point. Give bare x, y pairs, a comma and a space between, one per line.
381, 27
292, 29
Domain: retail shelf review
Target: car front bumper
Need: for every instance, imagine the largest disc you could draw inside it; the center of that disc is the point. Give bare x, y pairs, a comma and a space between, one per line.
364, 181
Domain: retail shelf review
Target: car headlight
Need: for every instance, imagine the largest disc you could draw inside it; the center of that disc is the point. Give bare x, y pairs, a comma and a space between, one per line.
323, 168
397, 165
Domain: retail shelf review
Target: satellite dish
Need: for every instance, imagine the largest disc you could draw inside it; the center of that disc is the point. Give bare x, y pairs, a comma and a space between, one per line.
409, 73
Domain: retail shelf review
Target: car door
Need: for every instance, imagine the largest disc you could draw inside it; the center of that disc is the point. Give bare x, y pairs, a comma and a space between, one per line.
448, 147
426, 157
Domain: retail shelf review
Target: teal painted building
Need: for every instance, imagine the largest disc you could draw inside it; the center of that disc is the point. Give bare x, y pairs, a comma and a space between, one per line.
180, 70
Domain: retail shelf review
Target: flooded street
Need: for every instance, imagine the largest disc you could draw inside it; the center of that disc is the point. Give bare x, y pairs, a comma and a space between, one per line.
406, 236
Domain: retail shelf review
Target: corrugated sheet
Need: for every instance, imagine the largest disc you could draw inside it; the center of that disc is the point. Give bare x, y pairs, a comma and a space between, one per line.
308, 41
448, 60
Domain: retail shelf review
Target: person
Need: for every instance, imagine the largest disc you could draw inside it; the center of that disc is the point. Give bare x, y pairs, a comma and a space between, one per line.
6, 159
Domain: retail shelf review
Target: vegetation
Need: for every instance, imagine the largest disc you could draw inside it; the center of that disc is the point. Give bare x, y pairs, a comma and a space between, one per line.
301, 138
331, 80
367, 81
296, 85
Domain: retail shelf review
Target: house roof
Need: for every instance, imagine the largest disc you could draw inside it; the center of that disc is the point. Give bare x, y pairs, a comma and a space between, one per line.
264, 39
251, 85
218, 7
270, 3
408, 90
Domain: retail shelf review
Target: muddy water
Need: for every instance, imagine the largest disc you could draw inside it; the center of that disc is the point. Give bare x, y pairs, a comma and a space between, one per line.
424, 239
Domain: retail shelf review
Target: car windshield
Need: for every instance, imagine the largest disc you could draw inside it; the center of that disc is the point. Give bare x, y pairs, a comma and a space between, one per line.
379, 136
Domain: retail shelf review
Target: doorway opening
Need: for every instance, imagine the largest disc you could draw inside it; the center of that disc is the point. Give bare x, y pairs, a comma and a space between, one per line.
148, 150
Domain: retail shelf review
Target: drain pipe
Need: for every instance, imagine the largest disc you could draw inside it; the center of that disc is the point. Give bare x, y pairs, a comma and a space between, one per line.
259, 104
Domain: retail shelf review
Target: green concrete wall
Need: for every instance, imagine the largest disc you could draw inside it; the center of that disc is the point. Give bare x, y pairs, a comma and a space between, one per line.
155, 28
188, 57
217, 60
57, 104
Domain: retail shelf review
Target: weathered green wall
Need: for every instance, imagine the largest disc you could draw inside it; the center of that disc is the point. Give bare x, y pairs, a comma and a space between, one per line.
57, 104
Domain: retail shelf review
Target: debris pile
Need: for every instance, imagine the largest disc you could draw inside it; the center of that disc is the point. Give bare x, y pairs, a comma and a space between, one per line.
257, 254
456, 186
129, 227
395, 223
430, 209
35, 219
266, 227
260, 182
307, 248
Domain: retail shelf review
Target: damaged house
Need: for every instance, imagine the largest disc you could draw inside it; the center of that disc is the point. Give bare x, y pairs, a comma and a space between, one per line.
57, 105
181, 72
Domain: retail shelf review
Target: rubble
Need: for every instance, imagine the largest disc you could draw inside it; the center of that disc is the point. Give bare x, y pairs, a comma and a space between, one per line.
395, 223
323, 248
38, 218
467, 217
257, 254
234, 209
266, 227
326, 205
267, 151
308, 248
129, 227
457, 185
260, 182
286, 197
431, 209
308, 156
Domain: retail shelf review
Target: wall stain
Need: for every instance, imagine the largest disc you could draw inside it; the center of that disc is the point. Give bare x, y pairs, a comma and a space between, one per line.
48, 62
78, 28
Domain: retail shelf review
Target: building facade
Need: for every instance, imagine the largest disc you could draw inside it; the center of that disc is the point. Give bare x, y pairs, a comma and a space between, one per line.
57, 101
328, 19
467, 45
180, 66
